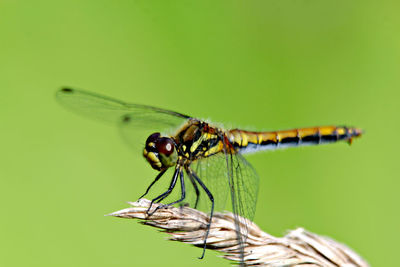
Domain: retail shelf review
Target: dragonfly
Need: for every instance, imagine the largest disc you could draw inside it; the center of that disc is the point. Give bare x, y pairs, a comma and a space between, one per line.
204, 157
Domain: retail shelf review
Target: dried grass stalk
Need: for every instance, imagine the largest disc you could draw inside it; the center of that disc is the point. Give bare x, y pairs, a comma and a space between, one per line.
297, 248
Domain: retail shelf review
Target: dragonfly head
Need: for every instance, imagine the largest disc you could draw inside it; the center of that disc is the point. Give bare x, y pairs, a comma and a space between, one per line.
160, 151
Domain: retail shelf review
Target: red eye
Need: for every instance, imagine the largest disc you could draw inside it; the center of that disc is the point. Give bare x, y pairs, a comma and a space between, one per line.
165, 146
153, 138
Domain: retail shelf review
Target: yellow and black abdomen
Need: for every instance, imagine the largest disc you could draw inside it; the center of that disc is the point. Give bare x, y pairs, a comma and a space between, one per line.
246, 141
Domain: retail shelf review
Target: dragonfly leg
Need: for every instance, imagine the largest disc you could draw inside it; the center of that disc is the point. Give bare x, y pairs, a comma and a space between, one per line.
196, 189
183, 194
210, 196
155, 180
166, 193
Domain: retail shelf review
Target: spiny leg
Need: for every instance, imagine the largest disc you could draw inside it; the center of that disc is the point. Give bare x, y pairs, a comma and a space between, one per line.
155, 180
196, 189
183, 194
210, 196
166, 193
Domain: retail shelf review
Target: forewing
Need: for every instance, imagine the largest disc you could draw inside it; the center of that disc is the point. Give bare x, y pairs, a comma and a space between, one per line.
232, 181
212, 172
135, 127
135, 121
243, 183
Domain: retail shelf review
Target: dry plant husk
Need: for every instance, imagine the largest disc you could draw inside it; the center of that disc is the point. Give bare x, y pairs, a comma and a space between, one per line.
298, 248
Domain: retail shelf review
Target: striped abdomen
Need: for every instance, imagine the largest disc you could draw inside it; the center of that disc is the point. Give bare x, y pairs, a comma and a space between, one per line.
247, 141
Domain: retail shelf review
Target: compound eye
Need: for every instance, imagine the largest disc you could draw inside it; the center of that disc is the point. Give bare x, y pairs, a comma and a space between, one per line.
165, 146
153, 138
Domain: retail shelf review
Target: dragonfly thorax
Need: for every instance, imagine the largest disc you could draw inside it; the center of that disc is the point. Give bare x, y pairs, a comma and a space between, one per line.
197, 139
160, 151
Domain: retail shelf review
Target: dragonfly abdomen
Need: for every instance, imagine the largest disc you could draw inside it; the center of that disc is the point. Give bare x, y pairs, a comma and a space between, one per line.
246, 141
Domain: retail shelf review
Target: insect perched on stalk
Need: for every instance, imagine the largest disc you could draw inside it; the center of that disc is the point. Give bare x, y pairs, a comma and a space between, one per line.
205, 158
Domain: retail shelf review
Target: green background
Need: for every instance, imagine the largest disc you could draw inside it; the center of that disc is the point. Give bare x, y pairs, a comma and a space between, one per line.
263, 65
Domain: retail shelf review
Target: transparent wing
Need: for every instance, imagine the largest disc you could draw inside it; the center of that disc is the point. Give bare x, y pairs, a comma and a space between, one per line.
243, 183
231, 179
136, 122
212, 172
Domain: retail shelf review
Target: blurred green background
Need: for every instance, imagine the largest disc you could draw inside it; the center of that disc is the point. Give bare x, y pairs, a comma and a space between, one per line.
263, 65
